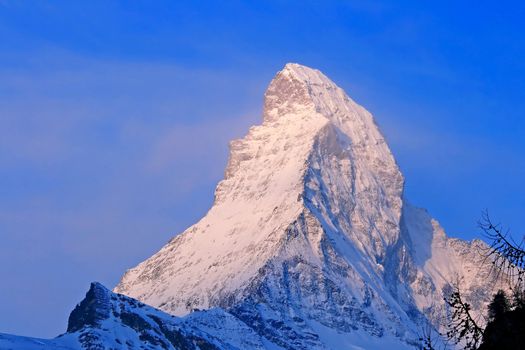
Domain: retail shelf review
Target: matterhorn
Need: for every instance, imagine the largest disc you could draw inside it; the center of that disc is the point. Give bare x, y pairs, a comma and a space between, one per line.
310, 244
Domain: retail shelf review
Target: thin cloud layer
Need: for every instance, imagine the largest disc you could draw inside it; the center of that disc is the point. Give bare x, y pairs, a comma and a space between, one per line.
93, 181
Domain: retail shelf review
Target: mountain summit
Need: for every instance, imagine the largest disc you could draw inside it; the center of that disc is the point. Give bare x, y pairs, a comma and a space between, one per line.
310, 241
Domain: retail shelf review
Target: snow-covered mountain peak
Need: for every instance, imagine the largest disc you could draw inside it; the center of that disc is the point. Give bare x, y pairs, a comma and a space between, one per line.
299, 88
316, 154
308, 230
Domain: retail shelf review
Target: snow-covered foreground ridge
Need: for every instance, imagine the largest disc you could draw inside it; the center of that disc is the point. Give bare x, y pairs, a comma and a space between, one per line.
310, 244
106, 320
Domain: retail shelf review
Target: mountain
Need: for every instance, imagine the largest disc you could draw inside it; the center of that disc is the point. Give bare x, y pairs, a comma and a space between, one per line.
310, 240
310, 244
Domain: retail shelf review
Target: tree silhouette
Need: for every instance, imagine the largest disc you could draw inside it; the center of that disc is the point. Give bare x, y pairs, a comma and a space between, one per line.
506, 328
506, 255
462, 327
498, 306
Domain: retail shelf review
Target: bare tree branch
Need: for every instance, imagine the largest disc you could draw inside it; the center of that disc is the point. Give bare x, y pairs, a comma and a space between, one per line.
504, 253
462, 329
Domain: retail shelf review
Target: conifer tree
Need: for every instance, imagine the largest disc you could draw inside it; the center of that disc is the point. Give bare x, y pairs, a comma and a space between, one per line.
498, 306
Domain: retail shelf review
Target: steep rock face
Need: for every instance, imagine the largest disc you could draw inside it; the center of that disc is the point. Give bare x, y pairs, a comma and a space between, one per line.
309, 241
95, 308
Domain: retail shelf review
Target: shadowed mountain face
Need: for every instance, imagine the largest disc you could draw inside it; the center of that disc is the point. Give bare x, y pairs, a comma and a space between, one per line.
309, 244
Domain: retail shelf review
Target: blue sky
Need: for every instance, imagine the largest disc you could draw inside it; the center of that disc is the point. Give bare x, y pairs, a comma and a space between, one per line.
115, 118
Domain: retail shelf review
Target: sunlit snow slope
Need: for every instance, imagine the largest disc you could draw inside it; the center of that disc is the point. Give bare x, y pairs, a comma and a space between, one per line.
310, 241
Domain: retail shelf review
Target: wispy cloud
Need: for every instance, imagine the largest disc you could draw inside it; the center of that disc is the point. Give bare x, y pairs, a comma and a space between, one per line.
96, 155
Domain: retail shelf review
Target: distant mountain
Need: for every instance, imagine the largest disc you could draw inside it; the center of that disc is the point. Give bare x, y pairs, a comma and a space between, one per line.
310, 244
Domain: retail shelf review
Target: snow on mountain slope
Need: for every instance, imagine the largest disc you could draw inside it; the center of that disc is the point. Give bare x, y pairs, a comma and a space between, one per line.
309, 240
264, 192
